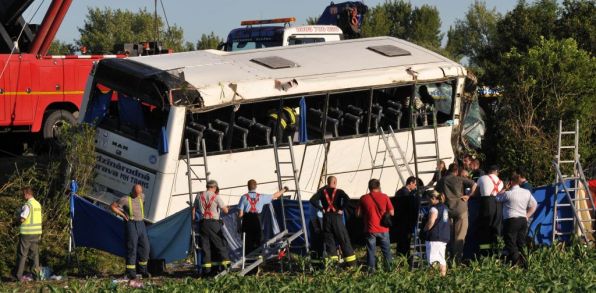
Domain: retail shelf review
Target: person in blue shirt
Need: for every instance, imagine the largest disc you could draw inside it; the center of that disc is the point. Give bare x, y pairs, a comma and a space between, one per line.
437, 230
250, 207
524, 183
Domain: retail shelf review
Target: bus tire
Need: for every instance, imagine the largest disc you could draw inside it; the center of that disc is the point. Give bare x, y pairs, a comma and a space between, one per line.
55, 120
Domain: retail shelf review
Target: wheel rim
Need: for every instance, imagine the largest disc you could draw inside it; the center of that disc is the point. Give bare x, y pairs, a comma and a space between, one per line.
57, 126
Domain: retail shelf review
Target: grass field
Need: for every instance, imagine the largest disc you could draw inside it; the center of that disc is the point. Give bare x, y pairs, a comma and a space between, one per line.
557, 269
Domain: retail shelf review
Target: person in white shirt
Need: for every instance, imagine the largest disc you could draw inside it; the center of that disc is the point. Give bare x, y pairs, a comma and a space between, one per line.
490, 184
518, 206
490, 211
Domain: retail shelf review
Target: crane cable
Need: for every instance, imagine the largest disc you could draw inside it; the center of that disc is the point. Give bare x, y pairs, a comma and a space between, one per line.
18, 39
165, 16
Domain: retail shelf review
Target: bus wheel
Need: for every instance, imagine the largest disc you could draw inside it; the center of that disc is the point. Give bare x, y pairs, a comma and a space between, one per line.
55, 120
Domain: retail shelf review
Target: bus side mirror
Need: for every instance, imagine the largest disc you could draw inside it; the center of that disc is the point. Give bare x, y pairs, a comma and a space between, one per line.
221, 46
163, 142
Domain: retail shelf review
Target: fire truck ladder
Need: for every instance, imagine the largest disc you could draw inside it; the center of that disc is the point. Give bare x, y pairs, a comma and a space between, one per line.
399, 159
193, 176
272, 248
575, 199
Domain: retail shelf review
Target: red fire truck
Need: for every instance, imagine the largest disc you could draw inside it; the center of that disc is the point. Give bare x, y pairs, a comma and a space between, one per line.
39, 92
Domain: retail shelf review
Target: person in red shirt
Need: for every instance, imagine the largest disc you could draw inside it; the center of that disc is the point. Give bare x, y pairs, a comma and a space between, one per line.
372, 206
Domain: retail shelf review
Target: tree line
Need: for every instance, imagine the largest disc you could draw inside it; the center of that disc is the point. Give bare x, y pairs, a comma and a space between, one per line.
106, 27
540, 56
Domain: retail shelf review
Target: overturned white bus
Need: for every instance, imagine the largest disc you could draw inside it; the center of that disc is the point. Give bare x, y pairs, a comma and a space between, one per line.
350, 91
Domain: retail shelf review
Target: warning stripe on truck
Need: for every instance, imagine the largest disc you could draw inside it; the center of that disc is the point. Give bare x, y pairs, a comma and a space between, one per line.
43, 93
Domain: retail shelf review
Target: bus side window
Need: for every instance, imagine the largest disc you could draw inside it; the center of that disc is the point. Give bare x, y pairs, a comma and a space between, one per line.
315, 124
258, 134
213, 139
351, 111
194, 133
391, 103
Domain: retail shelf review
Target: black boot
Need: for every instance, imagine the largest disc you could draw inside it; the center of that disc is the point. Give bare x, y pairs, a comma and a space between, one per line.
131, 274
145, 273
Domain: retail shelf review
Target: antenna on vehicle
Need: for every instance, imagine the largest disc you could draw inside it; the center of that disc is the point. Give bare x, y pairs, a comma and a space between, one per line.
155, 20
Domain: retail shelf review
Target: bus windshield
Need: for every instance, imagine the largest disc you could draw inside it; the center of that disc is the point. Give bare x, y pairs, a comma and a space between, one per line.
239, 45
133, 100
255, 38
126, 115
305, 40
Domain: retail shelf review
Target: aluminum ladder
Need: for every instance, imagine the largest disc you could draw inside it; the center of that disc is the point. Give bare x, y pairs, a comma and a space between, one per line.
417, 246
193, 175
288, 160
272, 248
397, 155
418, 159
575, 199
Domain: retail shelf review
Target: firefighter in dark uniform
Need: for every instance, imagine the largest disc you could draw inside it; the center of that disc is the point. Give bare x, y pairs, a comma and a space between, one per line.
406, 203
130, 208
210, 205
287, 123
332, 202
249, 211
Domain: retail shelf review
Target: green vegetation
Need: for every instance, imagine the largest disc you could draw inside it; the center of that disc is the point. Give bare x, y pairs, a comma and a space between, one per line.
73, 158
107, 27
555, 269
420, 25
552, 80
543, 62
541, 57
210, 41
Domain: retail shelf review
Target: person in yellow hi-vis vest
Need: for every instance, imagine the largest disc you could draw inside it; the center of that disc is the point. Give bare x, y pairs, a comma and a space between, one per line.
29, 234
130, 208
288, 121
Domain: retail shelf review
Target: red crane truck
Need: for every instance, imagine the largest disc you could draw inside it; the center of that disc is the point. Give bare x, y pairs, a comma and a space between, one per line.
39, 92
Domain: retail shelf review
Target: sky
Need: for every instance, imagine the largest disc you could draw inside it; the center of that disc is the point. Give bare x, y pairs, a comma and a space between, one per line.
198, 17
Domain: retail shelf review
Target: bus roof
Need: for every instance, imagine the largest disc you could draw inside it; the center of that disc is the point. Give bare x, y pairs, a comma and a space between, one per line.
235, 77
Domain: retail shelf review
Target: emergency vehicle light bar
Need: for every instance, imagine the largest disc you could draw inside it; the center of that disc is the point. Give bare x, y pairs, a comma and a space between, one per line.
268, 21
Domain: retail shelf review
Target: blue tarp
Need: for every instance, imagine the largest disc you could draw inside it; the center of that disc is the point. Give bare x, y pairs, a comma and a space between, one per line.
303, 125
170, 238
541, 227
293, 218
541, 223
97, 228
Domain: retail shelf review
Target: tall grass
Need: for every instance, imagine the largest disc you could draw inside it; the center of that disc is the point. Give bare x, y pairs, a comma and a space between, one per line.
72, 157
550, 269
